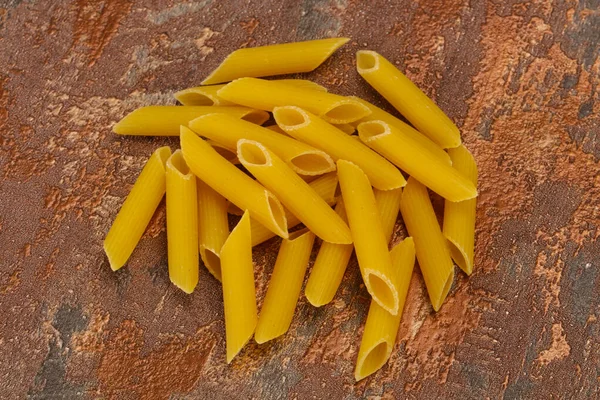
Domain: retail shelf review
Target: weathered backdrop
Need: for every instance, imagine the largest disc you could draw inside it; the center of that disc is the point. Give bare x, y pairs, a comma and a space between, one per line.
520, 78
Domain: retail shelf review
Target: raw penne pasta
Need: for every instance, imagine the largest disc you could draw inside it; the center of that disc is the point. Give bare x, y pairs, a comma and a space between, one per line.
403, 128
416, 161
295, 194
224, 152
165, 120
284, 288
459, 218
213, 227
381, 328
346, 128
388, 204
182, 223
278, 59
276, 128
407, 98
137, 210
431, 246
239, 295
369, 240
207, 95
227, 130
266, 95
310, 129
329, 267
232, 183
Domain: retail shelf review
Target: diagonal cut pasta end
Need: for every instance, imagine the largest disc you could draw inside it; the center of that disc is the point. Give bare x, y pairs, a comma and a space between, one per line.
345, 111
197, 96
311, 163
253, 153
257, 117
373, 130
383, 290
212, 261
367, 61
460, 257
290, 118
373, 359
437, 303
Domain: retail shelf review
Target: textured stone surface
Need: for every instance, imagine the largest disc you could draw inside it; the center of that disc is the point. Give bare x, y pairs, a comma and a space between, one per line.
521, 80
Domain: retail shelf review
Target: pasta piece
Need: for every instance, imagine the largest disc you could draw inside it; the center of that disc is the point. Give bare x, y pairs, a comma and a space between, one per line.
388, 204
297, 196
276, 128
369, 240
346, 128
207, 95
284, 288
459, 218
416, 161
182, 224
431, 247
239, 296
377, 114
165, 120
329, 267
278, 59
306, 127
224, 152
407, 98
227, 130
232, 183
381, 327
213, 227
267, 95
137, 210
325, 187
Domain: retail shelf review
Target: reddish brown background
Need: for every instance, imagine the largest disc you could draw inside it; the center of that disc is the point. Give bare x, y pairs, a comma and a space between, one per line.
520, 78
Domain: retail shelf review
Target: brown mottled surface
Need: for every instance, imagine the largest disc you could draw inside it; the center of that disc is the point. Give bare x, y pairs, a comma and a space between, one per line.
521, 79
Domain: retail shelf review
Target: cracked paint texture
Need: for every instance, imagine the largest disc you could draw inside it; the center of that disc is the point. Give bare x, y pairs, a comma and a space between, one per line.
520, 78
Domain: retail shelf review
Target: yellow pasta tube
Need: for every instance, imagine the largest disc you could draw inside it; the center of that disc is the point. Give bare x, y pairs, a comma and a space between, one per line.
407, 98
213, 227
224, 152
266, 95
284, 288
377, 114
207, 95
459, 218
182, 224
329, 267
137, 210
416, 161
239, 296
278, 59
369, 240
310, 129
295, 194
346, 128
388, 204
227, 130
232, 183
381, 328
165, 120
431, 247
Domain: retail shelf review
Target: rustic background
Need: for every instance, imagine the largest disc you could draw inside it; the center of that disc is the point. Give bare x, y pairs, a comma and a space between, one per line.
521, 80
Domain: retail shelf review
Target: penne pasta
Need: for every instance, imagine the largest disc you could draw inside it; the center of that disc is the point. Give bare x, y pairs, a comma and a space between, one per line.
346, 128
459, 218
137, 210
224, 152
407, 98
227, 130
431, 247
329, 267
207, 95
310, 129
388, 204
165, 120
239, 295
416, 161
377, 114
276, 128
284, 288
278, 59
213, 227
381, 328
232, 183
267, 95
295, 194
369, 240
182, 223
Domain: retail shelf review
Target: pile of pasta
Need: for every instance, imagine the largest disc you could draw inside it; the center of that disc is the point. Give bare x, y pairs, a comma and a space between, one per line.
286, 176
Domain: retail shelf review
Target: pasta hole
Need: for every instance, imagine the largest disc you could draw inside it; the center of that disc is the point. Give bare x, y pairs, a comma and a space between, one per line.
312, 163
225, 153
289, 116
345, 113
368, 130
374, 360
459, 257
196, 99
179, 163
257, 117
366, 60
252, 153
278, 213
381, 290
213, 263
